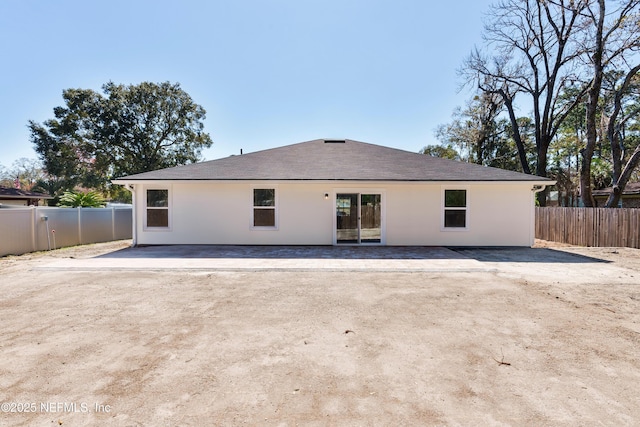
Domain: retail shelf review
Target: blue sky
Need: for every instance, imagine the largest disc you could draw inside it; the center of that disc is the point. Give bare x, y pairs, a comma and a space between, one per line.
268, 72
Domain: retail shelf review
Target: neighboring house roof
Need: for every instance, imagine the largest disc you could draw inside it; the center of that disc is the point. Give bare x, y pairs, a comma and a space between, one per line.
632, 188
330, 160
16, 193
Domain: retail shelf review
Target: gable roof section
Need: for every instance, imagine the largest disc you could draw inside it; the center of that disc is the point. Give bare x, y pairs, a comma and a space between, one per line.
331, 160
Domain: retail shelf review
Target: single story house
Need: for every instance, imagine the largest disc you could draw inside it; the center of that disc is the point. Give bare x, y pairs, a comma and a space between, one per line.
334, 192
630, 197
19, 197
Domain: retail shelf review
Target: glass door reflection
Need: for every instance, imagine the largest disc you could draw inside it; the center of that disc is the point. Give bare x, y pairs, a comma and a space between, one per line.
370, 219
347, 230
358, 218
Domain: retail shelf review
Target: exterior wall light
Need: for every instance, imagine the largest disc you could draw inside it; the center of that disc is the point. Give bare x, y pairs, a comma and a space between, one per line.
326, 196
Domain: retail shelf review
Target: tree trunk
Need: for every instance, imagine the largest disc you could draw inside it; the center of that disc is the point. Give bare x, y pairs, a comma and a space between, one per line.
541, 170
592, 109
614, 134
508, 102
621, 183
617, 154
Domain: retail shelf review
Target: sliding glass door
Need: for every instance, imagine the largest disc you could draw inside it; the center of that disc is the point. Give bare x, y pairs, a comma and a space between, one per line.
347, 229
370, 218
358, 218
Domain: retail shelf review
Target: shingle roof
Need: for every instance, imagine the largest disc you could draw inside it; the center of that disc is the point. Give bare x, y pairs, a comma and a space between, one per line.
630, 189
16, 193
328, 160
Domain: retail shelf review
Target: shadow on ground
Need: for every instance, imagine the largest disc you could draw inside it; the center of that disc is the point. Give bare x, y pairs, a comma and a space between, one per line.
286, 252
537, 255
493, 254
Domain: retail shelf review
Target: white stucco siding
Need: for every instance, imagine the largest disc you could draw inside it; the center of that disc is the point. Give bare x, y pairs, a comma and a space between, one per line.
498, 214
305, 215
502, 215
221, 213
207, 214
413, 215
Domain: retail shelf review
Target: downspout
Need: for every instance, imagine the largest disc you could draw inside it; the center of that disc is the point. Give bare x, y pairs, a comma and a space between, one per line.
134, 231
532, 232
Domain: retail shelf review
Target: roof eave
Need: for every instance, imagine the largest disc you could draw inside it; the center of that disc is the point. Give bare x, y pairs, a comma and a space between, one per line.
544, 182
24, 197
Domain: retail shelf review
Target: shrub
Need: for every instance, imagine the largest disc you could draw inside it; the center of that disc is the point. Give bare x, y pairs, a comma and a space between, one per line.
72, 199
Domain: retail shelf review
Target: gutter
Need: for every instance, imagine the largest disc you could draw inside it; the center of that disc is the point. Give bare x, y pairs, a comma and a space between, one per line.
538, 188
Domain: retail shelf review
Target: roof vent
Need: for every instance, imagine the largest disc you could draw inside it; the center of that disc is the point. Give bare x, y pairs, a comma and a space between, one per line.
334, 141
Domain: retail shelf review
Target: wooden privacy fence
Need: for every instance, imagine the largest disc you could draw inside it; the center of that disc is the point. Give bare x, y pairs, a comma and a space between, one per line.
589, 226
369, 218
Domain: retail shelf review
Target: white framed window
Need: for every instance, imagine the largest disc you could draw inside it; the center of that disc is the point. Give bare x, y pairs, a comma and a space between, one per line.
264, 213
157, 207
455, 209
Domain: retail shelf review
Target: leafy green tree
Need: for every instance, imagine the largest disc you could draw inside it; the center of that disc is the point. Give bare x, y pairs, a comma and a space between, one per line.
472, 128
444, 151
76, 199
118, 193
480, 136
126, 130
50, 186
564, 151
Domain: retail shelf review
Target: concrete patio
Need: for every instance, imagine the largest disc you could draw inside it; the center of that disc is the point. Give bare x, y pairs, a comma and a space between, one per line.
276, 258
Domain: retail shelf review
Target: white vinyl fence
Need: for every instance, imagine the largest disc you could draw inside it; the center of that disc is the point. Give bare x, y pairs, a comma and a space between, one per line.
30, 229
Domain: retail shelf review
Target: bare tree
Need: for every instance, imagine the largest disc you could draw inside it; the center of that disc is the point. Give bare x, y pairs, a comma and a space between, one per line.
5, 177
617, 121
611, 40
27, 172
533, 55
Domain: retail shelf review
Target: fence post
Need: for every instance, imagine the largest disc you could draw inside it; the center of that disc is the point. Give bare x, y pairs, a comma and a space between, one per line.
33, 228
596, 228
79, 225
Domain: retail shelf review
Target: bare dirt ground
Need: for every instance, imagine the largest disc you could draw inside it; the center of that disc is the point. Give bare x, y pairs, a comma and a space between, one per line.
550, 337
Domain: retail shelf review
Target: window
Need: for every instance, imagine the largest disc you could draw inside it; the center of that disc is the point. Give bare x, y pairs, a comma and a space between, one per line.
157, 208
455, 208
264, 207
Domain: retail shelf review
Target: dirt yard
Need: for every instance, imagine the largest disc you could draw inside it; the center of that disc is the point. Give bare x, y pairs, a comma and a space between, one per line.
549, 336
